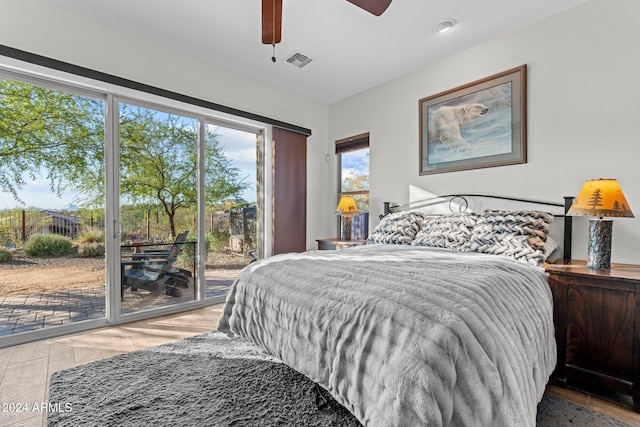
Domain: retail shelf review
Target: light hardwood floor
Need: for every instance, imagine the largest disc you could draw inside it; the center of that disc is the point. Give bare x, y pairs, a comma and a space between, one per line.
25, 369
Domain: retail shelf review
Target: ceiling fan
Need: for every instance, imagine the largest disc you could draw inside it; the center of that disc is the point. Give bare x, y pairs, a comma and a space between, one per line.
272, 17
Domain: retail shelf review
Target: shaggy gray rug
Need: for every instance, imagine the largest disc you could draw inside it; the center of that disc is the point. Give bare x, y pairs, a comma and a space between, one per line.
211, 380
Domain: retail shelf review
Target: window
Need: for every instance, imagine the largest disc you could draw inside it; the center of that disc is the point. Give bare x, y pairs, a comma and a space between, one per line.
353, 179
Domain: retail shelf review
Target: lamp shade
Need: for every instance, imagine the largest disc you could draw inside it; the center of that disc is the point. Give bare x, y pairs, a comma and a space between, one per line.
347, 206
601, 197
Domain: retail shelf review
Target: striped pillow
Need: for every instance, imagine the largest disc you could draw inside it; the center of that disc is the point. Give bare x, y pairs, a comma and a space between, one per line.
520, 235
447, 231
398, 228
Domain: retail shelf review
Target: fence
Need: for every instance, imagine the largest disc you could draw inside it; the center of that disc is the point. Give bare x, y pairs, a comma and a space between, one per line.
17, 225
137, 223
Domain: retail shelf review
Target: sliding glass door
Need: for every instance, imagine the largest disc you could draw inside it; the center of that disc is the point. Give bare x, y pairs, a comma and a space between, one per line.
164, 215
113, 209
158, 207
232, 213
52, 268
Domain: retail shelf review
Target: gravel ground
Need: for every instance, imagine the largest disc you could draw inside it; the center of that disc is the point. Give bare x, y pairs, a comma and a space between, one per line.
14, 270
25, 275
22, 261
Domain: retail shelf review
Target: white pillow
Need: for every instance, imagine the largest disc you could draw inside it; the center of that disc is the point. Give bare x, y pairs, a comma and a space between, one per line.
550, 246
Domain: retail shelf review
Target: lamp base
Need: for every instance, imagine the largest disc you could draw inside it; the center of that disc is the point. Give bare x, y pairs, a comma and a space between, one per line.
599, 254
346, 227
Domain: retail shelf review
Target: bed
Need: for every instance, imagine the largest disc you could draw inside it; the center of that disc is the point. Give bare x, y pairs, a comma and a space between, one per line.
424, 326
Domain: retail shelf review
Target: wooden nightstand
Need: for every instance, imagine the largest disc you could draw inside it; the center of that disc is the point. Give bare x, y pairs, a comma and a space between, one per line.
334, 243
597, 320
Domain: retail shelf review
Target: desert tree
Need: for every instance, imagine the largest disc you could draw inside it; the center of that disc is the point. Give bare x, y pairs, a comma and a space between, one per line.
48, 131
158, 162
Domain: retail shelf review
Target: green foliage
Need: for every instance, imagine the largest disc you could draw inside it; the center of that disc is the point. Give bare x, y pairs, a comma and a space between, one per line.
7, 233
91, 236
217, 241
93, 218
42, 128
47, 245
93, 249
189, 249
12, 222
5, 255
220, 238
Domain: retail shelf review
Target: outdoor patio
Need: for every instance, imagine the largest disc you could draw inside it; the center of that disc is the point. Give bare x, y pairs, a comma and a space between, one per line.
24, 313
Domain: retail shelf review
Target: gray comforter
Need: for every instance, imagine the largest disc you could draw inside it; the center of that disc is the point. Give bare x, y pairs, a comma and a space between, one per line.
405, 336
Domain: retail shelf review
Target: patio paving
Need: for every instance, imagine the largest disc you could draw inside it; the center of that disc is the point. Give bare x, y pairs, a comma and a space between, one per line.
36, 311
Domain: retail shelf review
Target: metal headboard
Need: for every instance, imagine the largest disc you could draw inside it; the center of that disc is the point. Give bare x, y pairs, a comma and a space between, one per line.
450, 198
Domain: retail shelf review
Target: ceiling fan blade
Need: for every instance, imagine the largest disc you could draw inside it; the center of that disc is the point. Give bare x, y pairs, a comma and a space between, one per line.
376, 7
271, 21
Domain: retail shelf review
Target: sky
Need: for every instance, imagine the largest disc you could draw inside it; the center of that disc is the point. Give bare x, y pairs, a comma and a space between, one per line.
355, 163
239, 146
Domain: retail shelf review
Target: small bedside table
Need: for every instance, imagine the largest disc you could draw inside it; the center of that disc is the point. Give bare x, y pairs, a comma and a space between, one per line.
597, 318
335, 243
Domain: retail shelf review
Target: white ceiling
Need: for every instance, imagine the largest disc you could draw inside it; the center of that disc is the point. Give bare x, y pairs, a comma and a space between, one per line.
351, 49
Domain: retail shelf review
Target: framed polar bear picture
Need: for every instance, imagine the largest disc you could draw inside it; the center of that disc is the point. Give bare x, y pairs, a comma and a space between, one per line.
478, 125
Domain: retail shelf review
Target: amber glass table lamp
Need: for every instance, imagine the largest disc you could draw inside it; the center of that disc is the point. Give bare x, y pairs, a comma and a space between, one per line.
600, 198
347, 208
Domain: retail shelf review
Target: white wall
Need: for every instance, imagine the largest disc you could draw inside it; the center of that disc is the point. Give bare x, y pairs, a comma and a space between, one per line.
582, 90
39, 27
583, 116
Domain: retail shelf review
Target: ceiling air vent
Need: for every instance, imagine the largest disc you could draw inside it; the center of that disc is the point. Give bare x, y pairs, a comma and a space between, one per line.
298, 59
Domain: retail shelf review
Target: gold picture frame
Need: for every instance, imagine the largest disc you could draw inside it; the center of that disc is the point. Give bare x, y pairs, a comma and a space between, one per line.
477, 125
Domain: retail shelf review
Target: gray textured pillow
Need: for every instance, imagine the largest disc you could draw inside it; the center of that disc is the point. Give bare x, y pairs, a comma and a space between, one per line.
447, 231
520, 235
398, 228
